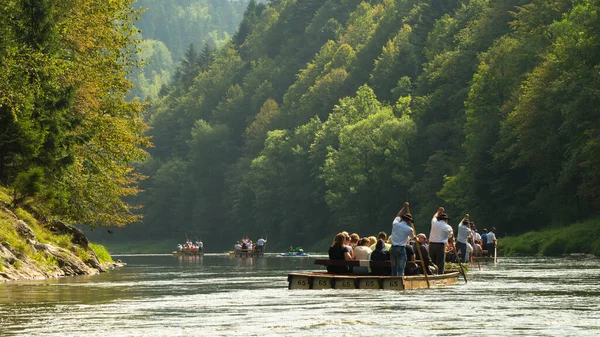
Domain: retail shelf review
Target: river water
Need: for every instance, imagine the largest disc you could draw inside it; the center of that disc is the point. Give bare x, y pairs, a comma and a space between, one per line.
218, 295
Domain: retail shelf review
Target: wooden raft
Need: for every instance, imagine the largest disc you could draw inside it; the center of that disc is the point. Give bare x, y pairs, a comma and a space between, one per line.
323, 280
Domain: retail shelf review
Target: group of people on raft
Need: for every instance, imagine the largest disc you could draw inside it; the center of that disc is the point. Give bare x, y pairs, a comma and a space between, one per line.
247, 245
403, 248
191, 247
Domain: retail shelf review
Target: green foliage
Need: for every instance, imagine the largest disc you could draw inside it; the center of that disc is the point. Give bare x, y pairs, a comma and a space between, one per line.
67, 134
27, 217
4, 195
82, 254
45, 261
576, 238
27, 184
322, 116
9, 234
157, 71
101, 253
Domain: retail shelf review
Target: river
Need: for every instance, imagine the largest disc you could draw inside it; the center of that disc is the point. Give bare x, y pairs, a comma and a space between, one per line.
217, 295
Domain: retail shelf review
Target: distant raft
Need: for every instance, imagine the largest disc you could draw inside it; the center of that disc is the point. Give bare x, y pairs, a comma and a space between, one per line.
246, 253
188, 252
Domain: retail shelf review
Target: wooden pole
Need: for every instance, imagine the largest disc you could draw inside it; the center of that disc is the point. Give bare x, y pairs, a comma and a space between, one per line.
496, 252
462, 270
419, 249
265, 245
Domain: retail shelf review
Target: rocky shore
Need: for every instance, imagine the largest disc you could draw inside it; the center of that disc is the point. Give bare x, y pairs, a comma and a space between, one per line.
38, 260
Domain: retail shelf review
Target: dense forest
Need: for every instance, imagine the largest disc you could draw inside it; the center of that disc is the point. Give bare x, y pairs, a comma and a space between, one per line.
316, 116
321, 116
169, 28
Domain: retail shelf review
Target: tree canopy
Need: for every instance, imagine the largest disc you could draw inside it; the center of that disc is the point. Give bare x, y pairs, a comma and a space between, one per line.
322, 116
67, 134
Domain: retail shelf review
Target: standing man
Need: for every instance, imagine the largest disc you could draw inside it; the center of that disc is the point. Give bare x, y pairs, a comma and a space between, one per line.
401, 231
260, 244
491, 242
438, 238
462, 237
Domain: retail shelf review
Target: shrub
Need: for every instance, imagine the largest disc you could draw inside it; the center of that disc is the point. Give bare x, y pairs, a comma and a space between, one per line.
101, 253
82, 254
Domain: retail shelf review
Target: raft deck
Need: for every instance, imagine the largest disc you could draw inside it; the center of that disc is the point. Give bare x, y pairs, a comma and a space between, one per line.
246, 253
324, 280
320, 280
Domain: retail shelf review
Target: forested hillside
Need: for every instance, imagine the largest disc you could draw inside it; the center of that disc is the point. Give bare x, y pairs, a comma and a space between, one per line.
325, 115
169, 27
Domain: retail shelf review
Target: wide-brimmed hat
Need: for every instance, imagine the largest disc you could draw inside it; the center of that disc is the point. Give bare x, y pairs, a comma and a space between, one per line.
443, 216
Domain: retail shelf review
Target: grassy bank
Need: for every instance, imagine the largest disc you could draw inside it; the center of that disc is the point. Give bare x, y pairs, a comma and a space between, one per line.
582, 237
10, 237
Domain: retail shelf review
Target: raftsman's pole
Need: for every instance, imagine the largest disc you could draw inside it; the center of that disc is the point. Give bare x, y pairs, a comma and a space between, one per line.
496, 252
458, 259
419, 249
265, 245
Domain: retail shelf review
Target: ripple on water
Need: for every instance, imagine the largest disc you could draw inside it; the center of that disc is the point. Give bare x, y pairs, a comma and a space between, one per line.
219, 296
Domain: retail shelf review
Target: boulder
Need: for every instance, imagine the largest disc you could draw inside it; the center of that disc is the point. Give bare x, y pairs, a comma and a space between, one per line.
60, 228
24, 230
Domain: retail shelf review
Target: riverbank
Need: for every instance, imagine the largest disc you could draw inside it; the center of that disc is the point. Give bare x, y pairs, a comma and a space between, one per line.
32, 248
578, 238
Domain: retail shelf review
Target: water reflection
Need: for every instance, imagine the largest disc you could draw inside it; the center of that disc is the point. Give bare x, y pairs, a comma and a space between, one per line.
191, 259
221, 296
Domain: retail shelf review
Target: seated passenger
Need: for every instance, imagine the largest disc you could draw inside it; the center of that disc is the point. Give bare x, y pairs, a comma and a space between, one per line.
431, 267
362, 252
348, 244
354, 238
381, 253
339, 251
411, 265
380, 236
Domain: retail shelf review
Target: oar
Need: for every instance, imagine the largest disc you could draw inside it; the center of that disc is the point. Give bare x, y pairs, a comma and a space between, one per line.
458, 259
419, 249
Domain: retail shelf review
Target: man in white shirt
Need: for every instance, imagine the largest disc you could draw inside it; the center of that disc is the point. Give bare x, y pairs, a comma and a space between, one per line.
464, 232
401, 232
491, 242
260, 244
438, 238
